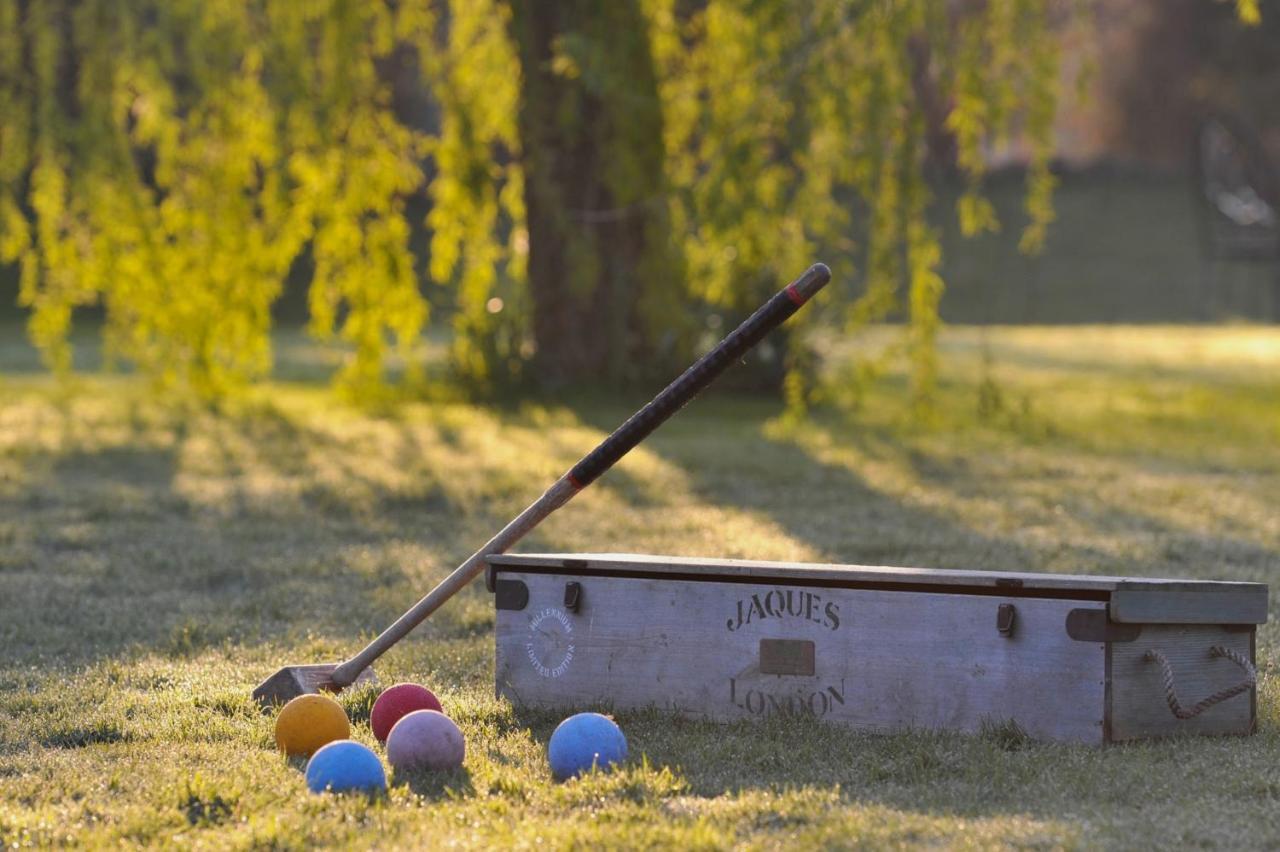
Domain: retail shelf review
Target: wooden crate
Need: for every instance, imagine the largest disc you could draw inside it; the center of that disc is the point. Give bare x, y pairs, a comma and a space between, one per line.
1070, 658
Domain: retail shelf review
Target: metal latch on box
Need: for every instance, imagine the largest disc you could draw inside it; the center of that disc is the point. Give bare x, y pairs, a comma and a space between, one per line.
1006, 615
573, 596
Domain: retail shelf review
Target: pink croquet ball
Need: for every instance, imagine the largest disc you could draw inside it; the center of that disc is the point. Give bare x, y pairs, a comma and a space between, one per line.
425, 739
395, 703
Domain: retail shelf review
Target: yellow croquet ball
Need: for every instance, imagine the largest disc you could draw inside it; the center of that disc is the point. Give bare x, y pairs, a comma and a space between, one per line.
310, 721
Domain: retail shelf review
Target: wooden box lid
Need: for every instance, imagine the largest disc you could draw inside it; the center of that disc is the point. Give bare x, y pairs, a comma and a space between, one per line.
1137, 600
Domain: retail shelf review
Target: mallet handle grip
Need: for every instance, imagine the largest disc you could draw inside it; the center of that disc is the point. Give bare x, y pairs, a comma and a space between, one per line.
704, 371
676, 395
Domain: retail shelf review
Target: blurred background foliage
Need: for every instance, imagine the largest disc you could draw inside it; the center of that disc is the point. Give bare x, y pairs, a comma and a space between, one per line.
577, 191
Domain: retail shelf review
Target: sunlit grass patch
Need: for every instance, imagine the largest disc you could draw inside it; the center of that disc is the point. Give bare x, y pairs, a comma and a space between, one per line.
156, 562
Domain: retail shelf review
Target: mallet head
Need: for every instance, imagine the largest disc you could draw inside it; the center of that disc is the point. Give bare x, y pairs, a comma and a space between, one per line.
292, 681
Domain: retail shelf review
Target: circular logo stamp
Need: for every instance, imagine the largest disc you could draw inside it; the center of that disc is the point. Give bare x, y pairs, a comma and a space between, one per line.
550, 645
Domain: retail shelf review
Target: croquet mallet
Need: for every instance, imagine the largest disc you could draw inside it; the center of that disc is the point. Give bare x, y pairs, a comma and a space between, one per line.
292, 681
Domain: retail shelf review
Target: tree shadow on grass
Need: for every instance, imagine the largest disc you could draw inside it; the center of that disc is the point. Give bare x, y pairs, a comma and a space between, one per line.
181, 535
128, 542
1104, 513
844, 511
725, 450
245, 529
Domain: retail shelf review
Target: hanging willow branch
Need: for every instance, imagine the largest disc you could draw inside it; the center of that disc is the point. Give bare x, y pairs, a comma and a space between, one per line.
174, 160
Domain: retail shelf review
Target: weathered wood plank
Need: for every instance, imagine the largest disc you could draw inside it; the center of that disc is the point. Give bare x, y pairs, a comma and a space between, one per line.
1138, 706
605, 563
882, 660
1214, 605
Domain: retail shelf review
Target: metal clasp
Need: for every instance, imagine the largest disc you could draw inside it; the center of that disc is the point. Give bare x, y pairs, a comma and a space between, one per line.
573, 596
1006, 615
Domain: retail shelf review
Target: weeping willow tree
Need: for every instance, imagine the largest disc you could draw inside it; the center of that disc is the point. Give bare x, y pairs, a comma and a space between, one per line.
596, 169
778, 118
171, 160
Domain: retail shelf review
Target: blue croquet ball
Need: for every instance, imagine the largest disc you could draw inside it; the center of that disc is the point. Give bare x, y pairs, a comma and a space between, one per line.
343, 766
583, 741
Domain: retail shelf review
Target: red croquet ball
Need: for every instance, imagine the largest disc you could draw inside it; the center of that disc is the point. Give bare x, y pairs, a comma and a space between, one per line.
395, 703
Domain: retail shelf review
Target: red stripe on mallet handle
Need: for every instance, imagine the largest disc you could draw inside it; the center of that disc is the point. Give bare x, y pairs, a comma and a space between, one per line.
770, 315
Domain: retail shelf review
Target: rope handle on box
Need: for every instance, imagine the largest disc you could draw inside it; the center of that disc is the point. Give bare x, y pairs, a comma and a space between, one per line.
1221, 695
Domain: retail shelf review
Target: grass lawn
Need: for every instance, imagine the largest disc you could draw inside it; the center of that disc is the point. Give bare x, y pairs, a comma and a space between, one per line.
155, 565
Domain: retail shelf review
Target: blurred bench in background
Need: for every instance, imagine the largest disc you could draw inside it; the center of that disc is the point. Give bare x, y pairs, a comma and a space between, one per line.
1237, 189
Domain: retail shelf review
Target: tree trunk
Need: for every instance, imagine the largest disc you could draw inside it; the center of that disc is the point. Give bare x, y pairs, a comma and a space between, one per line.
591, 131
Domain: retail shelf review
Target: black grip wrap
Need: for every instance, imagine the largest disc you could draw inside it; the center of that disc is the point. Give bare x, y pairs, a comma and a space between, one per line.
691, 382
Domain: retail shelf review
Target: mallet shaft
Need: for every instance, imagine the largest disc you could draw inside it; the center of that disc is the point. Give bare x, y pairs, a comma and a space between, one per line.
553, 498
674, 397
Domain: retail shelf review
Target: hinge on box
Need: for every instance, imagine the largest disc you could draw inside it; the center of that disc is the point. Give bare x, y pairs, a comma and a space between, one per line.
510, 594
1093, 625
